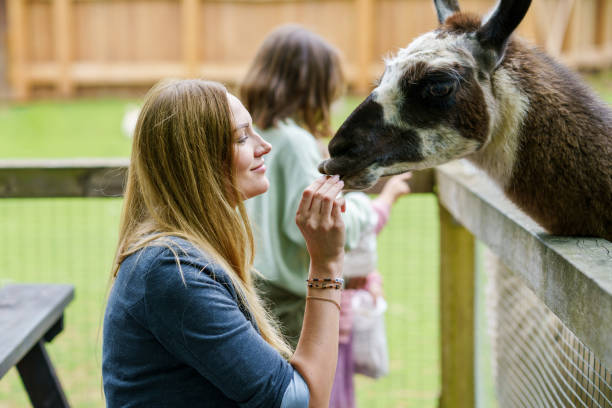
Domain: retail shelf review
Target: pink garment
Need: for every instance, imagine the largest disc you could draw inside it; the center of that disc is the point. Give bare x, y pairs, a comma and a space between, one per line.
383, 209
343, 389
346, 316
373, 278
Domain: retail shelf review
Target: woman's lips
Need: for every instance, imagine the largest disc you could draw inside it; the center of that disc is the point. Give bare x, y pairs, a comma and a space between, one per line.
259, 169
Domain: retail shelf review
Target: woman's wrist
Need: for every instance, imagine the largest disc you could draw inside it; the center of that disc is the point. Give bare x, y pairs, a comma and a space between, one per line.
330, 269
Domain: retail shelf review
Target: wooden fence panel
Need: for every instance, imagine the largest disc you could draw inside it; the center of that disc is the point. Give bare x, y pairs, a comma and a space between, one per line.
74, 43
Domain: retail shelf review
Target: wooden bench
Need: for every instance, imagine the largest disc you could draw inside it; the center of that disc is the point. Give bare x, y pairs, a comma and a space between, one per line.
30, 315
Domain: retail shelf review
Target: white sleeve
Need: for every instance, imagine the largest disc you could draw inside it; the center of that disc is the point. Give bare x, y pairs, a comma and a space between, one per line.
297, 394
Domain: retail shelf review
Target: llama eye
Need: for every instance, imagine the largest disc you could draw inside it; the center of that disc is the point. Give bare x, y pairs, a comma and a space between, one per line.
440, 89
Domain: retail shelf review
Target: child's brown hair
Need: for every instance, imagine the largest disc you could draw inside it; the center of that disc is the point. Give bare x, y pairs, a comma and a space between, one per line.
295, 74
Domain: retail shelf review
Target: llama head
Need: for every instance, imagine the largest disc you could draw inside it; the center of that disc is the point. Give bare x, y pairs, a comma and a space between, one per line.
433, 103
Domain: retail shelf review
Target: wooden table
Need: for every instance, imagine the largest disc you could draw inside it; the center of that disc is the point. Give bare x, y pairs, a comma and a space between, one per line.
30, 315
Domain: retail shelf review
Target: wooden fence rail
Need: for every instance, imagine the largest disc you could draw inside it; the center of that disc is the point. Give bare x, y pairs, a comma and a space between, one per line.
71, 45
571, 276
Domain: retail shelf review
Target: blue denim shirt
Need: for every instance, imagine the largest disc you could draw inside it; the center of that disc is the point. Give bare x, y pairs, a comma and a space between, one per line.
171, 343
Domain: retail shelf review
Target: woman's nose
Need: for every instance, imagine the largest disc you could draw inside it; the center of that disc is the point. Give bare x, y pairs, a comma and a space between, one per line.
264, 147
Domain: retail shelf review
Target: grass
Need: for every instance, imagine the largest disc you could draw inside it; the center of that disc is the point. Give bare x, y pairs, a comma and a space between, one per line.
50, 129
71, 240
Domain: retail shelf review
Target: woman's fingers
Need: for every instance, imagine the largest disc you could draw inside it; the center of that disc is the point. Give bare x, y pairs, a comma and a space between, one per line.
309, 193
329, 198
336, 215
340, 203
321, 196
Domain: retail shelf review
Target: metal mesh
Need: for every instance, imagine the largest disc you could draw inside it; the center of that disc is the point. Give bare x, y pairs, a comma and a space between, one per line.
537, 361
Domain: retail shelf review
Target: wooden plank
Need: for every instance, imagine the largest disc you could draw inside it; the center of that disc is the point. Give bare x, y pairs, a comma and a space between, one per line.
575, 29
118, 73
106, 177
541, 13
61, 25
558, 26
40, 380
600, 22
4, 85
606, 24
457, 325
589, 58
572, 276
62, 178
27, 312
17, 48
101, 73
364, 36
190, 16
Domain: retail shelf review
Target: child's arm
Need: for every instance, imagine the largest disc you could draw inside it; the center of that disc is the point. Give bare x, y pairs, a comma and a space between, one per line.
395, 187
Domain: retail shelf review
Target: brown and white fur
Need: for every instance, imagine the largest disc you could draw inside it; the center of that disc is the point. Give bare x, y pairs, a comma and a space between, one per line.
469, 89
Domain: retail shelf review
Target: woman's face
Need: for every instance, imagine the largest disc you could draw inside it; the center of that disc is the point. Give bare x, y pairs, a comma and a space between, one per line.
249, 149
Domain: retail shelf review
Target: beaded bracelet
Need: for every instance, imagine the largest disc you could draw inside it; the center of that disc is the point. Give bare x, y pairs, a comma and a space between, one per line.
325, 283
325, 299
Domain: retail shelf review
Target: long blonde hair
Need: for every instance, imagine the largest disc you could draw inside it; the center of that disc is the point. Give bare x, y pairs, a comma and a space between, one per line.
181, 183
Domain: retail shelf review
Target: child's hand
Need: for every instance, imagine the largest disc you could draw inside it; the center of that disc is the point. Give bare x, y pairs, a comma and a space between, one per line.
396, 187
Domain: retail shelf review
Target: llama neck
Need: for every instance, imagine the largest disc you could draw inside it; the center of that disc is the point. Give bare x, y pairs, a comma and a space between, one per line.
551, 144
508, 106
540, 109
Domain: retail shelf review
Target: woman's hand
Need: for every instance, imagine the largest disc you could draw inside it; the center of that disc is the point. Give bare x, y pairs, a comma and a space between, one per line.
318, 218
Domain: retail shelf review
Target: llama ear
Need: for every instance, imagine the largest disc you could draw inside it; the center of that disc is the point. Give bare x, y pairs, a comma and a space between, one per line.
445, 9
496, 29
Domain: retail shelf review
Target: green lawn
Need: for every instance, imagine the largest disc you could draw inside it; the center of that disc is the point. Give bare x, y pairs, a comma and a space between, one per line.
50, 129
72, 241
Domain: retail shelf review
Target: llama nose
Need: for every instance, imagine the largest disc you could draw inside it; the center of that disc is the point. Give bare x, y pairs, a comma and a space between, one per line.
323, 167
340, 166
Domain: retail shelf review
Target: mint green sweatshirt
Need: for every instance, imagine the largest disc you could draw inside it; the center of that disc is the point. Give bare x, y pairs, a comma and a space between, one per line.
281, 254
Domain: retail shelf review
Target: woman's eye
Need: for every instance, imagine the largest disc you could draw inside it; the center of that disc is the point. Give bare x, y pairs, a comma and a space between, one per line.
440, 90
242, 136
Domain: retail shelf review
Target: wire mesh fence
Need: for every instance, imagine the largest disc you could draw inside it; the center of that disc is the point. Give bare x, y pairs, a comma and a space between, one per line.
72, 240
537, 361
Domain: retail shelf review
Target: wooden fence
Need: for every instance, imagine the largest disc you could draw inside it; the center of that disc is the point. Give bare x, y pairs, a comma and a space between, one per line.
571, 277
70, 45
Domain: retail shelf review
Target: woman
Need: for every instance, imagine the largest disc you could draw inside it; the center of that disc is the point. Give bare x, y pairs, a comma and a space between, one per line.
183, 324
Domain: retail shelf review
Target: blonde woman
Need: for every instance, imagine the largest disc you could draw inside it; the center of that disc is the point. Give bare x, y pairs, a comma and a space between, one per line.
183, 324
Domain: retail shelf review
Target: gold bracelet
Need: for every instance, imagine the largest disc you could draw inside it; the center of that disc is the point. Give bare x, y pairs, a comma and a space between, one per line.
324, 299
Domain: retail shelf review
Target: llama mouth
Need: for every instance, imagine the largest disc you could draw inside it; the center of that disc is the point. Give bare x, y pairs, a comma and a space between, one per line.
360, 179
342, 166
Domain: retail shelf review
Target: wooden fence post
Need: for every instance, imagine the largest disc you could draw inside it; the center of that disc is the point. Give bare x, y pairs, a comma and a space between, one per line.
190, 16
17, 48
62, 25
365, 34
457, 323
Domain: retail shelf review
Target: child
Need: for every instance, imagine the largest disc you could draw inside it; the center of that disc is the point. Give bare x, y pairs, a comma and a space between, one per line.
289, 89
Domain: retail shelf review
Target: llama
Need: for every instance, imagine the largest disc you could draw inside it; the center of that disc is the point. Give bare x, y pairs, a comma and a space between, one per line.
470, 89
